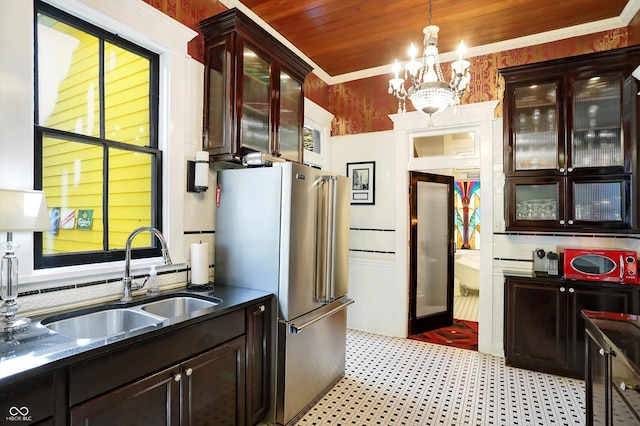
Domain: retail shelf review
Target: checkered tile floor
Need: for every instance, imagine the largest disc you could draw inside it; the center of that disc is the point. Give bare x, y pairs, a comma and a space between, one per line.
392, 381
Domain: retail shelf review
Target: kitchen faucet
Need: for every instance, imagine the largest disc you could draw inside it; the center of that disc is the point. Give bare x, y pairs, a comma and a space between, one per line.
129, 285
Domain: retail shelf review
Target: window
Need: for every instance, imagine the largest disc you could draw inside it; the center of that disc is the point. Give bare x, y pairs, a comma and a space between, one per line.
312, 144
96, 141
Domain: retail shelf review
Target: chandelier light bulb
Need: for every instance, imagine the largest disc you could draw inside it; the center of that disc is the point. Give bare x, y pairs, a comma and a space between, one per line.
413, 52
461, 50
396, 68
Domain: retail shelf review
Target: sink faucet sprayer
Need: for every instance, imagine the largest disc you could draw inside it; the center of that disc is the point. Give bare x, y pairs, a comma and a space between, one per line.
129, 285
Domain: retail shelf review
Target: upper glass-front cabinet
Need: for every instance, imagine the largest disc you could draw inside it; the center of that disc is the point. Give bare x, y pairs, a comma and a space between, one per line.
254, 97
570, 131
597, 122
591, 136
537, 140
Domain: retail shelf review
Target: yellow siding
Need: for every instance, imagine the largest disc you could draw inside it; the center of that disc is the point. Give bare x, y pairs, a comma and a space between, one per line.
73, 172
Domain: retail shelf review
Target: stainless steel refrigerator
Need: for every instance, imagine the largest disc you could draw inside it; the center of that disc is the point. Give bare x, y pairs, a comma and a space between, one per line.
285, 229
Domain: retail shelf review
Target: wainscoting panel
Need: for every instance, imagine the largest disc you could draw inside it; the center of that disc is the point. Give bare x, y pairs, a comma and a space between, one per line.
379, 308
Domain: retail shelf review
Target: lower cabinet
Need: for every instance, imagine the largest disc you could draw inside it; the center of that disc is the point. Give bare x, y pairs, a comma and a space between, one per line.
214, 372
206, 389
544, 330
31, 401
612, 386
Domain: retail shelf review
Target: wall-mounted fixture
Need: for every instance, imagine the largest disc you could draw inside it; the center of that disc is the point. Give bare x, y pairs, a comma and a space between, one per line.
20, 210
198, 173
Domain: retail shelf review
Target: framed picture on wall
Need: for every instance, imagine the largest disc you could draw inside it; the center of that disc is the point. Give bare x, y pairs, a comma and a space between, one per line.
363, 182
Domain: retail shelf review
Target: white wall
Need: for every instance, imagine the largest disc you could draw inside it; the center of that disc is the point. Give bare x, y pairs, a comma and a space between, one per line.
380, 305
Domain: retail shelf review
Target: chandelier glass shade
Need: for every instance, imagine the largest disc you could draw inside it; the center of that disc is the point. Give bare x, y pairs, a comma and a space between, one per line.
427, 90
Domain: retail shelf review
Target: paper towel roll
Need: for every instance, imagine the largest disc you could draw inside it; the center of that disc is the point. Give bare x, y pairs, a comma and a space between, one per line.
202, 170
199, 263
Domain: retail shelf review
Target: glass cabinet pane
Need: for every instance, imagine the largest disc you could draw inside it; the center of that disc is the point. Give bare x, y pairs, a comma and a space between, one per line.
537, 202
598, 201
535, 127
597, 117
256, 102
216, 119
289, 130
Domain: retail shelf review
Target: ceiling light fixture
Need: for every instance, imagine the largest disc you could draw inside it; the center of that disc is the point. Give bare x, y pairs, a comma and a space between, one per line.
428, 91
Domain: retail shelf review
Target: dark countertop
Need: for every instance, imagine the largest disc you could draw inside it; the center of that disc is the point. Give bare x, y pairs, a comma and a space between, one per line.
37, 349
621, 332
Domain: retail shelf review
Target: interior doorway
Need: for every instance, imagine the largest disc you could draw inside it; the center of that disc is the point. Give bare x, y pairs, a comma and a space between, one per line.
456, 156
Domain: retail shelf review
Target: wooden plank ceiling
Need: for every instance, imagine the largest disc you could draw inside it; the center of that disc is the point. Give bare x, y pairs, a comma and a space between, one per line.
343, 36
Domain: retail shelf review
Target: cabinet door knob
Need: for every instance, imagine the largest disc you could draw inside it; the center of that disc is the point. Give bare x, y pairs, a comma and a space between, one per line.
262, 308
562, 222
561, 289
177, 377
561, 169
571, 290
601, 352
188, 372
623, 386
570, 222
570, 169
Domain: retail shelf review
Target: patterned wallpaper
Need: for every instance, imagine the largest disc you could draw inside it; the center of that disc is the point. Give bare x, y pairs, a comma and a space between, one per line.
363, 105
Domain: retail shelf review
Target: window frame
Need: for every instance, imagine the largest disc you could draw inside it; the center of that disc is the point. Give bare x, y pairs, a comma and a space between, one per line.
42, 261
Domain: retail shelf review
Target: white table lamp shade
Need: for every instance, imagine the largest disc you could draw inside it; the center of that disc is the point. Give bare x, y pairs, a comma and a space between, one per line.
23, 210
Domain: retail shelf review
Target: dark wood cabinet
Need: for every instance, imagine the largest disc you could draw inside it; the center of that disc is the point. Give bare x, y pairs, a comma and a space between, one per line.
207, 389
213, 386
31, 401
254, 91
259, 354
570, 130
544, 330
153, 400
612, 380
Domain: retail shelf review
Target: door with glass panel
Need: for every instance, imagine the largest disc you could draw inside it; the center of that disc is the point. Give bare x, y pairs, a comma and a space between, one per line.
431, 252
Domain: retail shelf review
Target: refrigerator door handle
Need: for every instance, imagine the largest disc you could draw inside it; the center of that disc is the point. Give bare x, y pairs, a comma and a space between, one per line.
295, 329
320, 270
331, 238
325, 238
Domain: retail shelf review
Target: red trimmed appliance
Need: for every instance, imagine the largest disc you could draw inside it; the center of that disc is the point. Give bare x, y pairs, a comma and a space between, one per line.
613, 265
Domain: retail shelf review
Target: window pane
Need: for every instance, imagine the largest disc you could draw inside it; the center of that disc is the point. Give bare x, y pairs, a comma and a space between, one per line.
449, 145
68, 70
311, 139
126, 96
130, 183
72, 180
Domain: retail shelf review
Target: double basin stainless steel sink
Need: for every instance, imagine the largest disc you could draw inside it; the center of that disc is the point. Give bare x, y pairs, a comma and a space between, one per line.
110, 322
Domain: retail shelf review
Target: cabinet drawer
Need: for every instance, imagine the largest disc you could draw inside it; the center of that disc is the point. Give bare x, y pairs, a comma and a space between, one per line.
29, 400
95, 376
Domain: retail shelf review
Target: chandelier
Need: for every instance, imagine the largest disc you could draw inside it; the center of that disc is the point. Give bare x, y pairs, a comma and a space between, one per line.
428, 90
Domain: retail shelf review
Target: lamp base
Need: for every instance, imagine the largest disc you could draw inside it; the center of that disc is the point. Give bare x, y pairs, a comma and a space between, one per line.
13, 324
